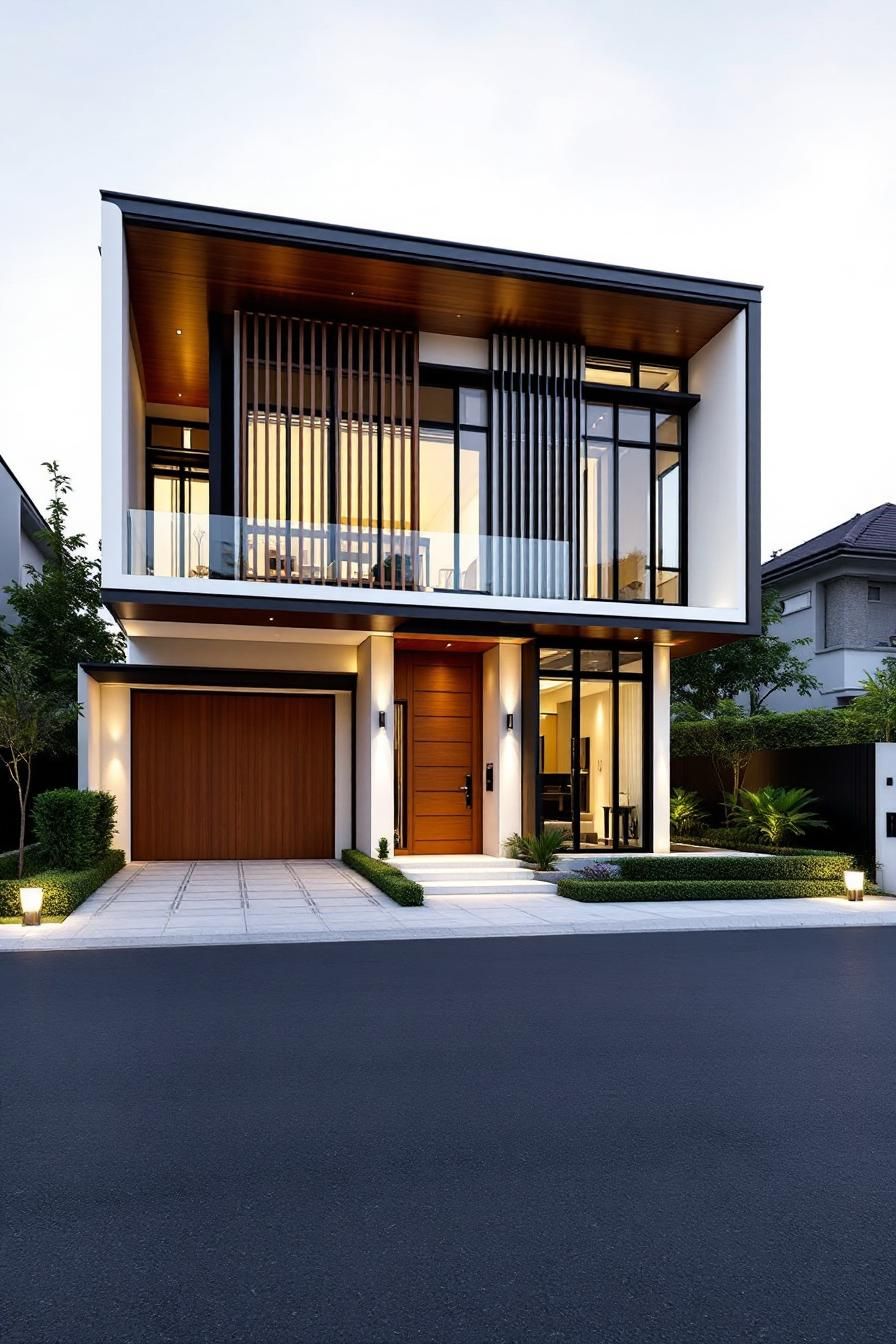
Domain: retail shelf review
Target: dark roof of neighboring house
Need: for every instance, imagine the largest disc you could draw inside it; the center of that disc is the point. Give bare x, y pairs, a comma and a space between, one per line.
33, 521
867, 534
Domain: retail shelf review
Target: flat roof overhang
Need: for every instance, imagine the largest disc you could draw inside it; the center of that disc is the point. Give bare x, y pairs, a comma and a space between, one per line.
185, 261
269, 613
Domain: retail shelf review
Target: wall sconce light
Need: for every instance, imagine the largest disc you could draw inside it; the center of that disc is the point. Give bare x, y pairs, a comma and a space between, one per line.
31, 898
854, 884
510, 723
382, 719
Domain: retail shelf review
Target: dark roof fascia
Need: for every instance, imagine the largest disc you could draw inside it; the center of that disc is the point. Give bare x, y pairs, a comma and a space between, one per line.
157, 674
822, 558
254, 227
38, 521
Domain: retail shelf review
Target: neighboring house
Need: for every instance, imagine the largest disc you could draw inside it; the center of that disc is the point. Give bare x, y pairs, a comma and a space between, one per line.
21, 542
403, 534
838, 590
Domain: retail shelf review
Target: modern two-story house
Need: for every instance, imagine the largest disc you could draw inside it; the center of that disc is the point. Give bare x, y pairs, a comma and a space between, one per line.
403, 535
838, 591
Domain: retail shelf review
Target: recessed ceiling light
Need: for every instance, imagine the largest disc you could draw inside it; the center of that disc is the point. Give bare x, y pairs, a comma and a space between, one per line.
460, 314
178, 331
448, 645
180, 394
270, 618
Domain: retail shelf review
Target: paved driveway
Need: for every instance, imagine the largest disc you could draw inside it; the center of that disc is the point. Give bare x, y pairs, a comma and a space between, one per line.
323, 901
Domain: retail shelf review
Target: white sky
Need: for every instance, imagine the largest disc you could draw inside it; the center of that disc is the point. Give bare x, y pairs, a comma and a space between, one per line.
750, 143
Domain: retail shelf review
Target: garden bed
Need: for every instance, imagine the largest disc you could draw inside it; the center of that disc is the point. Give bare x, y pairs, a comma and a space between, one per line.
64, 889
692, 889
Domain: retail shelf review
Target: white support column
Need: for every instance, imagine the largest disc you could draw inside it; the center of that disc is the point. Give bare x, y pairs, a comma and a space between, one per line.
88, 732
115, 756
501, 687
661, 755
374, 764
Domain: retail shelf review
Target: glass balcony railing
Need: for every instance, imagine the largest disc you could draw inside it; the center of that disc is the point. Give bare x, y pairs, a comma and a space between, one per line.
203, 546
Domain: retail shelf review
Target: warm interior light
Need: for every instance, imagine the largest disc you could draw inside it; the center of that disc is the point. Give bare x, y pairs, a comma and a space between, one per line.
31, 898
854, 883
178, 332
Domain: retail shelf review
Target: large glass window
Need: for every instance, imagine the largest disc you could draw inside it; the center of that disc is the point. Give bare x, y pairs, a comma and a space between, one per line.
591, 747
631, 504
453, 465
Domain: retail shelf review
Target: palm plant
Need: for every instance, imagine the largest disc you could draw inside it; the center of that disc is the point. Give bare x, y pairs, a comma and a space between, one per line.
539, 850
686, 811
775, 813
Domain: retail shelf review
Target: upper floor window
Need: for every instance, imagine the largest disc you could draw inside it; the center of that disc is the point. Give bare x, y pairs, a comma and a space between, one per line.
799, 602
649, 375
453, 489
874, 592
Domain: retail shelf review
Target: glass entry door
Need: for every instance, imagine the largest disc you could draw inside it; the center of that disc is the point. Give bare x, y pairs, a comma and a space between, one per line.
591, 747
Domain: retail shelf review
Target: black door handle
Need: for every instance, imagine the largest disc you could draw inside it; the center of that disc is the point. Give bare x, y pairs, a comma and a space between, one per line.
468, 789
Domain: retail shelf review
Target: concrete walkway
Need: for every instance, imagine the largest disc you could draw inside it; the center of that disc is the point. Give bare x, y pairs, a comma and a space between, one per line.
176, 904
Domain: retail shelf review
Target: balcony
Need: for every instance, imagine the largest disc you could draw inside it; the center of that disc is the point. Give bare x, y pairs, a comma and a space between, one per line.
205, 547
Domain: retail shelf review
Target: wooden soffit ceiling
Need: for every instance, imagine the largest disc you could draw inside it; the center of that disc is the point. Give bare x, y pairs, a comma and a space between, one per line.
177, 278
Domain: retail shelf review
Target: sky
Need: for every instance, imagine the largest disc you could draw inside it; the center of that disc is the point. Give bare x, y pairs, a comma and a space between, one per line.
748, 143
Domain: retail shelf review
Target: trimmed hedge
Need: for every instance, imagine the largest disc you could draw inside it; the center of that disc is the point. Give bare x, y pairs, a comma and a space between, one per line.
74, 826
771, 732
619, 890
786, 868
63, 890
9, 861
383, 875
740, 837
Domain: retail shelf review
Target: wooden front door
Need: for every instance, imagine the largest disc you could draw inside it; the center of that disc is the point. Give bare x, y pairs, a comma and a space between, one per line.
218, 775
443, 767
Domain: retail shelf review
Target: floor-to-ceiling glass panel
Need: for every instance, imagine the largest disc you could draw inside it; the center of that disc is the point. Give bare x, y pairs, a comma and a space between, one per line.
597, 519
595, 753
631, 763
555, 774
633, 547
437, 550
471, 496
668, 524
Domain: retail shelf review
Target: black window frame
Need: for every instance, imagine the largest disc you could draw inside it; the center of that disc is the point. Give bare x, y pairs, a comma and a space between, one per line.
457, 380
575, 676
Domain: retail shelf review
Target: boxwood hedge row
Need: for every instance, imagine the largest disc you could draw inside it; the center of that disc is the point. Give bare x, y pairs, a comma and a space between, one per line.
390, 880
618, 889
823, 867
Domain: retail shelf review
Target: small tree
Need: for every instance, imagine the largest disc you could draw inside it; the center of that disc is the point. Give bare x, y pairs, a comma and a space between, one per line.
59, 610
875, 708
732, 749
754, 667
31, 720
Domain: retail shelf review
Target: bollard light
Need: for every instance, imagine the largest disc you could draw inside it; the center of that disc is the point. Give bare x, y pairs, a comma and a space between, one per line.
31, 898
854, 884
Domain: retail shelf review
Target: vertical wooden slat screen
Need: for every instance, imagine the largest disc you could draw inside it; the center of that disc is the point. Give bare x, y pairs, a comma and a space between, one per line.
536, 430
329, 442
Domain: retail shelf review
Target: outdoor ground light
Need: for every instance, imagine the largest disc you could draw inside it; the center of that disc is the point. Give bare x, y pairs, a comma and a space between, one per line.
854, 882
32, 898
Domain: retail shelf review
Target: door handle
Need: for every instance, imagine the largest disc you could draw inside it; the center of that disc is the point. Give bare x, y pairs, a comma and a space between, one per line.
467, 788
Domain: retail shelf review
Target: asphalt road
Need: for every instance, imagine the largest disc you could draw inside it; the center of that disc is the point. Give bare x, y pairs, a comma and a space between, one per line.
683, 1137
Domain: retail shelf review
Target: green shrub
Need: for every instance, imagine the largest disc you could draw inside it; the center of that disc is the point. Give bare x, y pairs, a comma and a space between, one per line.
773, 813
539, 850
63, 890
73, 826
595, 892
724, 867
390, 880
686, 811
771, 732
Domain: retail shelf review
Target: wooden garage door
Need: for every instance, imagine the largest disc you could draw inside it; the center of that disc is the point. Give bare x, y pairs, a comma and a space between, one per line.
217, 775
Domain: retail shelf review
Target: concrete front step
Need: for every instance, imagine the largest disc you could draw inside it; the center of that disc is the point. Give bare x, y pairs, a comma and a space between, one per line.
472, 886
